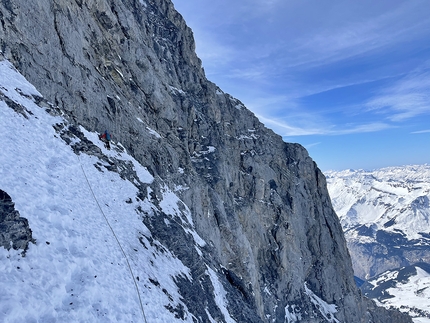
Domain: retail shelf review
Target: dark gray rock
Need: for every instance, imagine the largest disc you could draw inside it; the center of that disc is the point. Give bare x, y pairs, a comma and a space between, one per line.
260, 204
14, 230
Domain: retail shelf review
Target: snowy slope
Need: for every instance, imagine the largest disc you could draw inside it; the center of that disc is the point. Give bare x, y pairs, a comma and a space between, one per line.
94, 260
407, 289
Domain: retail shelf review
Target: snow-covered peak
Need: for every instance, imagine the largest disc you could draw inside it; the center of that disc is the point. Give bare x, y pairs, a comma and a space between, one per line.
393, 198
385, 215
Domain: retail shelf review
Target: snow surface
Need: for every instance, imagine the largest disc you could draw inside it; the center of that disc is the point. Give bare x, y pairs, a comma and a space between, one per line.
220, 295
327, 310
411, 296
175, 90
291, 315
153, 132
87, 264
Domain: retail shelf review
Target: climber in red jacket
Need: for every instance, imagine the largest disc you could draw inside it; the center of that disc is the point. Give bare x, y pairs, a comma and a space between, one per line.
105, 138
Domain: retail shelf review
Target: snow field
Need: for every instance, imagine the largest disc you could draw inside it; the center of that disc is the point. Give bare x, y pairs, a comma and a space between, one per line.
409, 295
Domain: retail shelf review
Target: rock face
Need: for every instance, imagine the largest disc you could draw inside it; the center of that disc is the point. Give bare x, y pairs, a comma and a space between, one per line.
14, 230
260, 204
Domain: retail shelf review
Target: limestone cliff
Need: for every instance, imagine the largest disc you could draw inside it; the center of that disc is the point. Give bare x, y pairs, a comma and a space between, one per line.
260, 204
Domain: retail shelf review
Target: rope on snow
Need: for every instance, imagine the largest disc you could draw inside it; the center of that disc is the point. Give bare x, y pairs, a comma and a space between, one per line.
117, 240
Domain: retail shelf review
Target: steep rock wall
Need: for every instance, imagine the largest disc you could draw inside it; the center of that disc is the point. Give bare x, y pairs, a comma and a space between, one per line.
260, 204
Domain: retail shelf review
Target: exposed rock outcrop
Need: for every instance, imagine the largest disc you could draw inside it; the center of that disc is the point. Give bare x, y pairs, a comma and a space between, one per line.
260, 204
14, 230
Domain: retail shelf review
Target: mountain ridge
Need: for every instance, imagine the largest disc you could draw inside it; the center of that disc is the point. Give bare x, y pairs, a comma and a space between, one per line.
384, 214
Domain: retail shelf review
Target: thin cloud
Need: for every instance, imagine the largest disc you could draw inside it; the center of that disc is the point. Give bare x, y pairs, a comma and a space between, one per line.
364, 128
362, 36
312, 145
319, 88
421, 131
254, 73
262, 62
325, 43
287, 130
408, 98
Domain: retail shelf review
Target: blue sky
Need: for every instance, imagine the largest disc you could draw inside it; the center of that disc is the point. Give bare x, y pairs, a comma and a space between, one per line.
349, 80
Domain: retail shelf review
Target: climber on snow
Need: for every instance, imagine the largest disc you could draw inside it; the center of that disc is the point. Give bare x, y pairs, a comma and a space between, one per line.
105, 138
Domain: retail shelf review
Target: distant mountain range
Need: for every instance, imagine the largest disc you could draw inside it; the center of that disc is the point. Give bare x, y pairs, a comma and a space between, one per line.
385, 216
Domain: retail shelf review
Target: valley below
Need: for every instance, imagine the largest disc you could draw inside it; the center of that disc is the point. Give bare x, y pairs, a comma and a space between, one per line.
385, 216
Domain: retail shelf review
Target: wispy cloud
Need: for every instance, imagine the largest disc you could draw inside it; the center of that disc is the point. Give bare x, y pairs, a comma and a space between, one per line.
406, 99
249, 73
287, 130
362, 128
421, 131
356, 34
358, 37
312, 145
